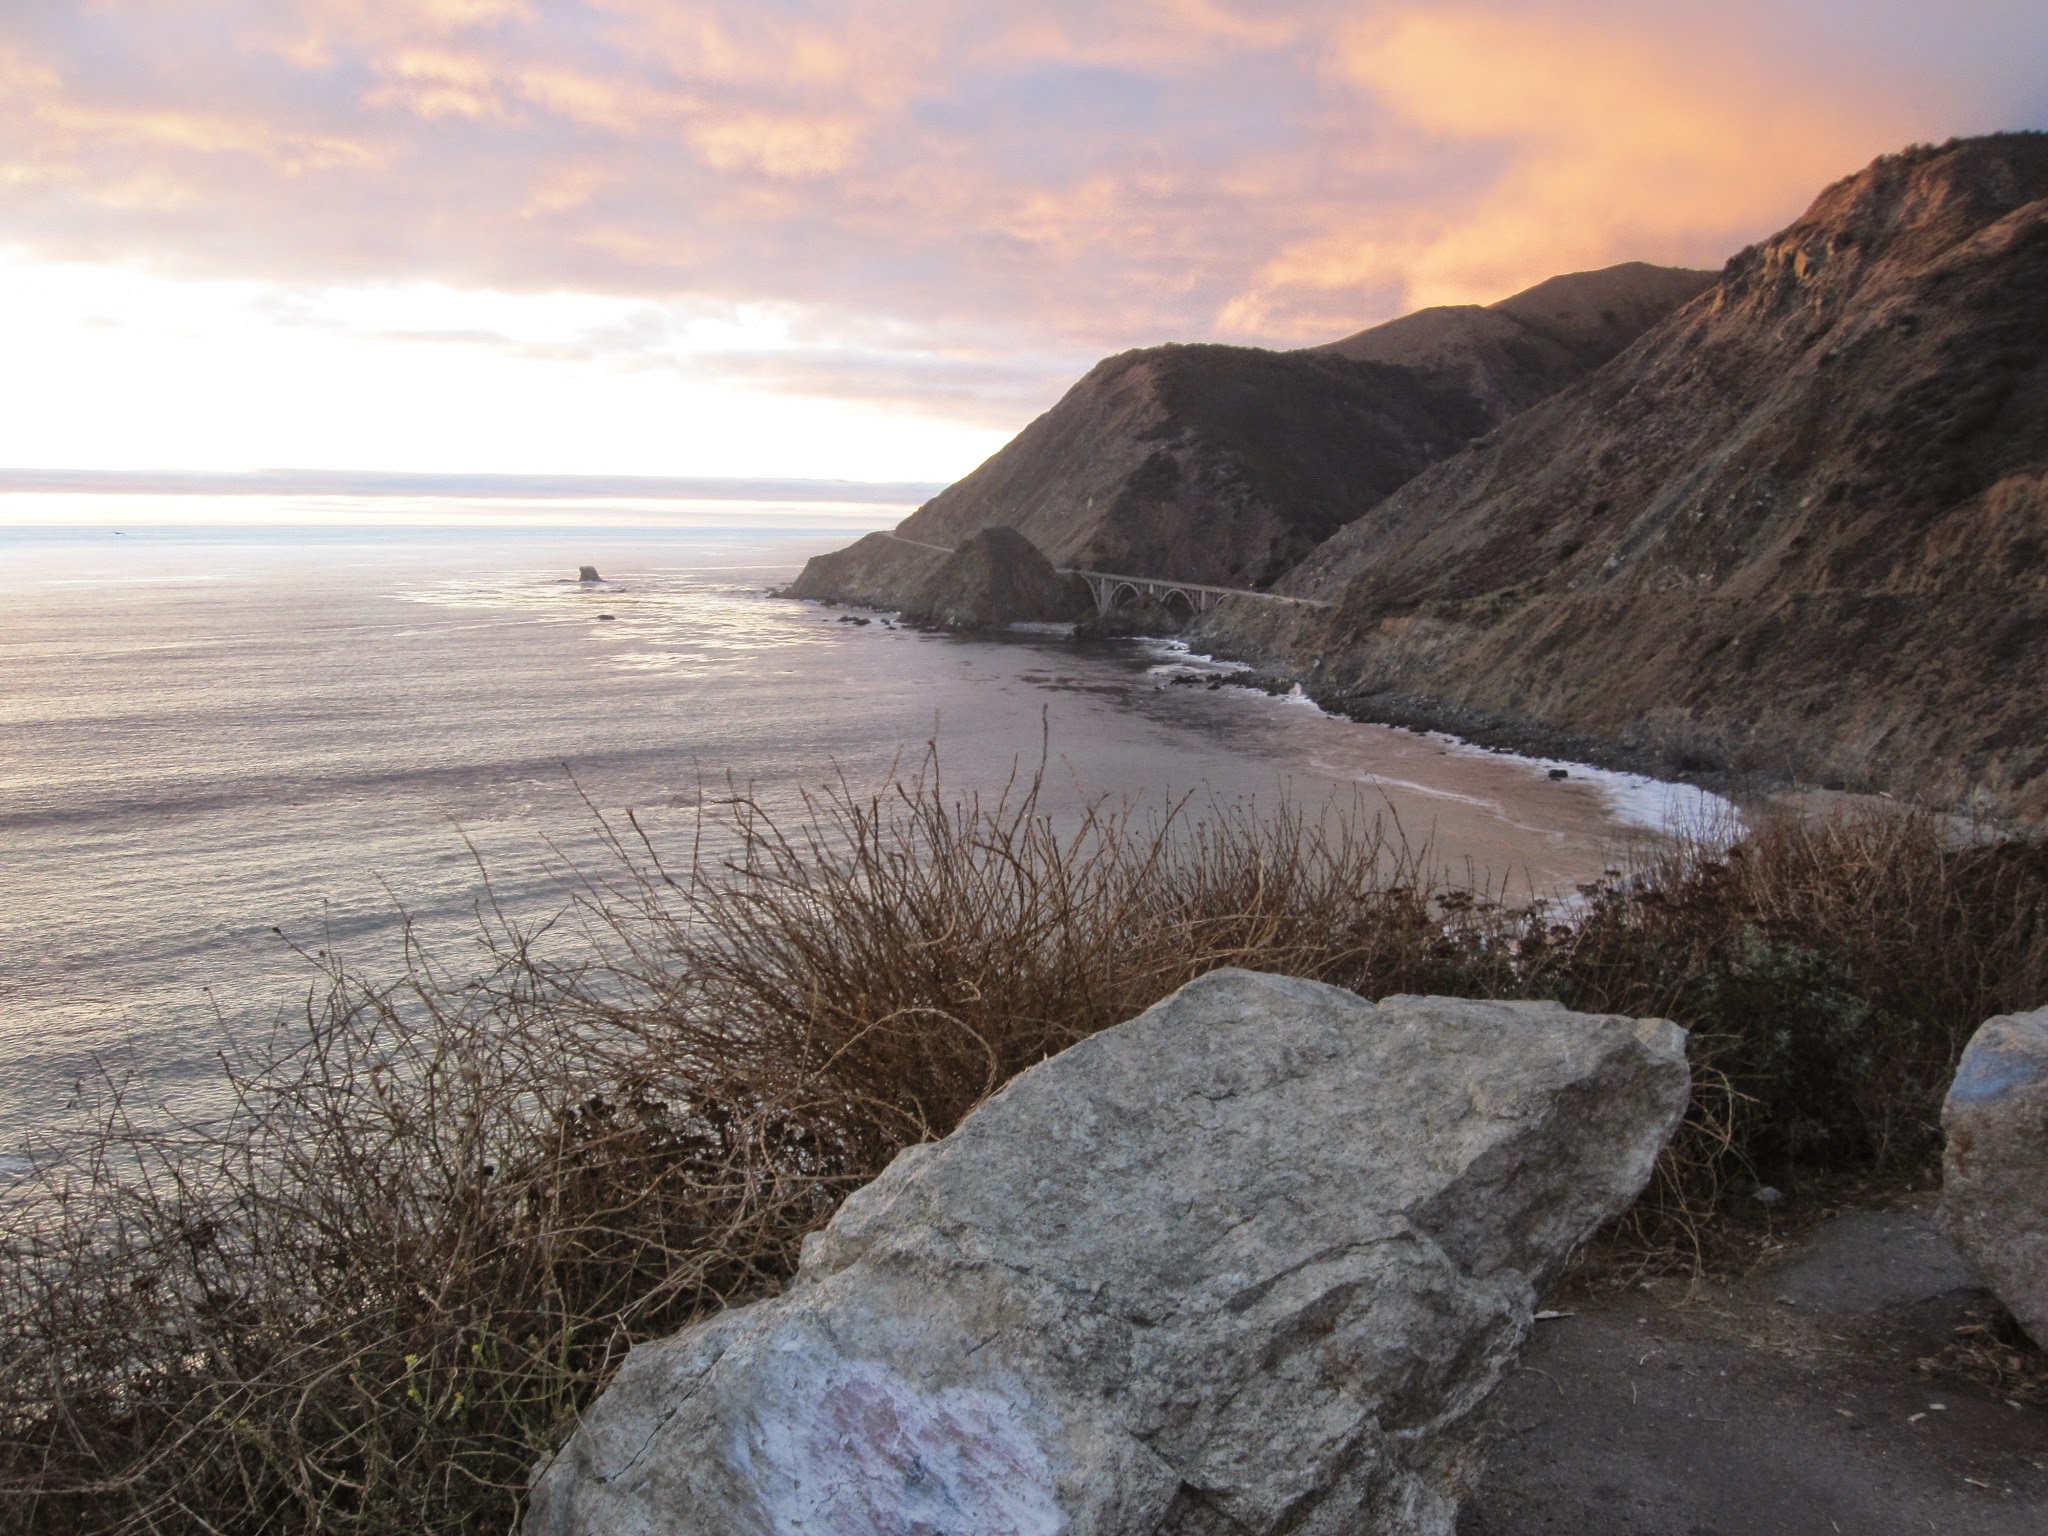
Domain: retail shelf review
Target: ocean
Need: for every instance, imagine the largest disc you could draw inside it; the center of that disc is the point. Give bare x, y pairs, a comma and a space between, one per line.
225, 743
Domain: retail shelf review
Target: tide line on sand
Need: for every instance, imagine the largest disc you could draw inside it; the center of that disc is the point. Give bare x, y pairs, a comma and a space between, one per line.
1634, 799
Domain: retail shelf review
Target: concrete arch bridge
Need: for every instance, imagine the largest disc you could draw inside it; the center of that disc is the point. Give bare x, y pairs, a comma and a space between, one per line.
1188, 598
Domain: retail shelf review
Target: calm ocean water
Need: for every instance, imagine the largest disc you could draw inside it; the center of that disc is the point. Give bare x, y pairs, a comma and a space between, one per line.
207, 735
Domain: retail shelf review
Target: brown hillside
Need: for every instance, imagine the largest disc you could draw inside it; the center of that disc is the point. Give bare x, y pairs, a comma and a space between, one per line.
1228, 464
1801, 527
1511, 354
1205, 463
875, 571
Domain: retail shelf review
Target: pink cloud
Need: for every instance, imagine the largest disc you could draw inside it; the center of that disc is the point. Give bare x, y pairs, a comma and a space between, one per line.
1093, 175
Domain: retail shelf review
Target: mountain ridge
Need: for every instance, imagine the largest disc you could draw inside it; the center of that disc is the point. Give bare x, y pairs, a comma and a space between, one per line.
1513, 353
1797, 529
1227, 465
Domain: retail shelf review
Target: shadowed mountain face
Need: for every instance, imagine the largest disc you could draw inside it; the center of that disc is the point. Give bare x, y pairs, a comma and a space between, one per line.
1215, 464
1226, 465
1800, 528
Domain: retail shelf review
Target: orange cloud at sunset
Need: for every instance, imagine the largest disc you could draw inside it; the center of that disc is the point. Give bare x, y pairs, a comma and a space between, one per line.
1612, 146
936, 191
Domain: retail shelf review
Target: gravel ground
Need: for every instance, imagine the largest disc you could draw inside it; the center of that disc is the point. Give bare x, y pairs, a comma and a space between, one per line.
1805, 1399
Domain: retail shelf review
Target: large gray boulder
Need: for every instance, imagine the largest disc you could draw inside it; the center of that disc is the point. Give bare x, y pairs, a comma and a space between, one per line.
1246, 1263
1994, 1185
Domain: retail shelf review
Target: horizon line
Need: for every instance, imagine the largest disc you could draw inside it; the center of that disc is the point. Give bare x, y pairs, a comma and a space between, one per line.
481, 486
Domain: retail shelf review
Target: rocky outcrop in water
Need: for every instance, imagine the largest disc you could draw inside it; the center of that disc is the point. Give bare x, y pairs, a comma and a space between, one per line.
1245, 1264
1800, 529
1994, 1189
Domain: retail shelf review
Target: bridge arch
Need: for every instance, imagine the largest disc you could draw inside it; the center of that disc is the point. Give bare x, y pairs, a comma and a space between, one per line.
1189, 598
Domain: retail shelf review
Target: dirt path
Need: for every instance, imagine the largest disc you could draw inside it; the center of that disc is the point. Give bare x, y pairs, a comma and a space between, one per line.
1788, 1403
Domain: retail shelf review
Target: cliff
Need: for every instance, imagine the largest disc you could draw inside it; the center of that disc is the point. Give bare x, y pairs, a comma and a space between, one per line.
1206, 463
1227, 465
1798, 528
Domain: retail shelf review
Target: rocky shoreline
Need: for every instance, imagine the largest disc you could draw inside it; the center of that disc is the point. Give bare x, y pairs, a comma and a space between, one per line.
1493, 730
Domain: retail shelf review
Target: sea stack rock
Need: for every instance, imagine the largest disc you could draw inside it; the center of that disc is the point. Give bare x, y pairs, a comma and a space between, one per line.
1246, 1263
587, 573
1994, 1185
995, 578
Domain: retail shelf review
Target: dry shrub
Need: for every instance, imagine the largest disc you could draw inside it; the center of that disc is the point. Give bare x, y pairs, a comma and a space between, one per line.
372, 1295
1992, 1353
439, 1212
1831, 970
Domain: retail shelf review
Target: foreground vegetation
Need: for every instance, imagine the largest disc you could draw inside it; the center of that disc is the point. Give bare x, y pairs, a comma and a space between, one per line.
442, 1210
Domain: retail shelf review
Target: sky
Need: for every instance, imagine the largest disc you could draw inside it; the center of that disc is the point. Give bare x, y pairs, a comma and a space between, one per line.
867, 239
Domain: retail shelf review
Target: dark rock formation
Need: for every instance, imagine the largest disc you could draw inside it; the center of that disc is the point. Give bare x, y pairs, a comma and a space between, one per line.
996, 577
1800, 528
587, 573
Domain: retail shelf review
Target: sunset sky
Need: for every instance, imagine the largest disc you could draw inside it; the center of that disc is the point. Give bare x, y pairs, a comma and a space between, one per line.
866, 239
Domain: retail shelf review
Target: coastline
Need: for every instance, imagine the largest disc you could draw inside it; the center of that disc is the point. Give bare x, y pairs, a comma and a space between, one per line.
1634, 789
149, 876
676, 628
1645, 790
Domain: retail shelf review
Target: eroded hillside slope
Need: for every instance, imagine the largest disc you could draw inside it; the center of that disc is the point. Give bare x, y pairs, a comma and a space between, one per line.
1800, 528
1207, 463
1228, 464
